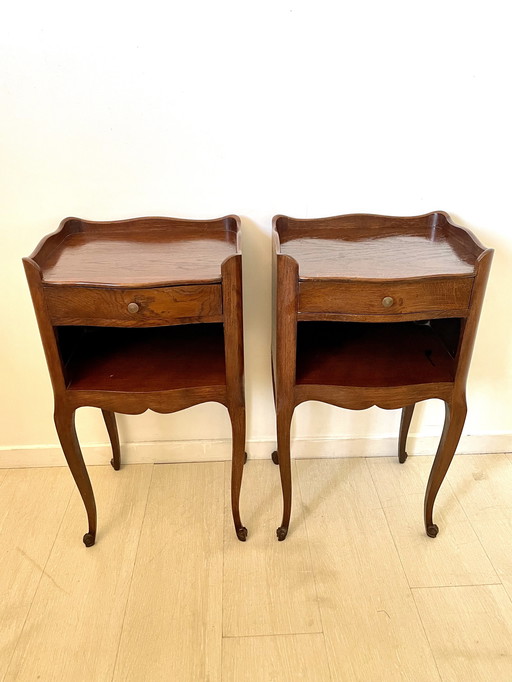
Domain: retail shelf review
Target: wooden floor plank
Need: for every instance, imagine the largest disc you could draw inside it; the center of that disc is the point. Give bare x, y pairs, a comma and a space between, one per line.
73, 628
331, 602
483, 486
32, 505
370, 622
269, 587
278, 658
173, 624
470, 631
455, 556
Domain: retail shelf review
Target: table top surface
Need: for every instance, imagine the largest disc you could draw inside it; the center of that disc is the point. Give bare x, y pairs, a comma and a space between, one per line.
150, 258
331, 254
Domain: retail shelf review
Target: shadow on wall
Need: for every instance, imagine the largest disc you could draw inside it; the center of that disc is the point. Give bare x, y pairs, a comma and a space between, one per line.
496, 309
320, 420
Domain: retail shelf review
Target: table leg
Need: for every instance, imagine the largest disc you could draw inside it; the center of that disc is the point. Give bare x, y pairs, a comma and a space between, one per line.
274, 455
65, 424
405, 422
455, 416
113, 434
284, 421
237, 416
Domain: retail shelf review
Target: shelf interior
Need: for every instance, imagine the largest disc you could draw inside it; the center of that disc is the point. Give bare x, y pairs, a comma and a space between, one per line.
143, 360
373, 354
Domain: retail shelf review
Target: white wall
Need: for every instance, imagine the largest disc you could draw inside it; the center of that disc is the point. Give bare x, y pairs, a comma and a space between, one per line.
197, 109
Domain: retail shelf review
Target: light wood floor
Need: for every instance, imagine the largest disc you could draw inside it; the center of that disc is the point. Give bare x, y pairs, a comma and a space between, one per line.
356, 592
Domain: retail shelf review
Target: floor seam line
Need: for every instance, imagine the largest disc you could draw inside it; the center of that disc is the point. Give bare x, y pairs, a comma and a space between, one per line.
131, 576
274, 634
43, 572
443, 587
224, 523
403, 569
474, 531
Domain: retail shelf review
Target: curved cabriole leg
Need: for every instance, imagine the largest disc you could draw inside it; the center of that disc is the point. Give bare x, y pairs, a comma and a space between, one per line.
65, 425
455, 417
284, 421
237, 416
405, 422
274, 456
113, 434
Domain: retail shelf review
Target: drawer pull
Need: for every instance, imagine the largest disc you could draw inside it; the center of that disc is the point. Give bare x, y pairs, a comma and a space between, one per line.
387, 301
133, 308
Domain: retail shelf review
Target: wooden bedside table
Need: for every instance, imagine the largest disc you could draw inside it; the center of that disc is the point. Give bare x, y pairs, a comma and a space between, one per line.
375, 310
141, 314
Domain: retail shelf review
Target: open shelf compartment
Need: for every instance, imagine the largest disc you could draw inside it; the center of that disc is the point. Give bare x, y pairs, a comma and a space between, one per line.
376, 354
143, 360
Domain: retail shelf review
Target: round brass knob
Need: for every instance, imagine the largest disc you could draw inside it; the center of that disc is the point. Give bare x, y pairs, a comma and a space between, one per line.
133, 308
387, 301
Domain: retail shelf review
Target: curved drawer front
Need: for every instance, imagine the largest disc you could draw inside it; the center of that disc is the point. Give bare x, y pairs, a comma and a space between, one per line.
76, 305
383, 298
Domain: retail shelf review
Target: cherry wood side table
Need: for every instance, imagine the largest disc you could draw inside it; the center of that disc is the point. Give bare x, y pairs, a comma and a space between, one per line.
375, 310
141, 314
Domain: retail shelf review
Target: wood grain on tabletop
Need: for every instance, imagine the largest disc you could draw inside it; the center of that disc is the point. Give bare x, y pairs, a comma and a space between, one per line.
364, 246
140, 252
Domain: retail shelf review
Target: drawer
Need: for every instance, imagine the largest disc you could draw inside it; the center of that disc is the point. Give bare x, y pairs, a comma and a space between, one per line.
77, 305
385, 298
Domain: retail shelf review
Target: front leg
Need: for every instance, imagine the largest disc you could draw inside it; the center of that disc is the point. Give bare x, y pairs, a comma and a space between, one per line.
65, 424
455, 417
284, 422
239, 456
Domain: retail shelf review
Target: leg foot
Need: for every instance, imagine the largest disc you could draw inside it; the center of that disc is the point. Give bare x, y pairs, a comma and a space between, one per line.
241, 534
115, 465
281, 533
275, 457
89, 539
432, 530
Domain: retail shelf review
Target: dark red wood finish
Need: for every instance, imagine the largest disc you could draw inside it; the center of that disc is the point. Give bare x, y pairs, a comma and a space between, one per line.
375, 310
141, 314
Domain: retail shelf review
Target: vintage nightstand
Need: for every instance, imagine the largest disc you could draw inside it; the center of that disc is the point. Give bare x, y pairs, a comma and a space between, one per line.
141, 314
375, 310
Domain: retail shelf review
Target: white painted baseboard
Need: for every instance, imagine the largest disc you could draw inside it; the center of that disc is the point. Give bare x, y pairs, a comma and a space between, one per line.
220, 450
